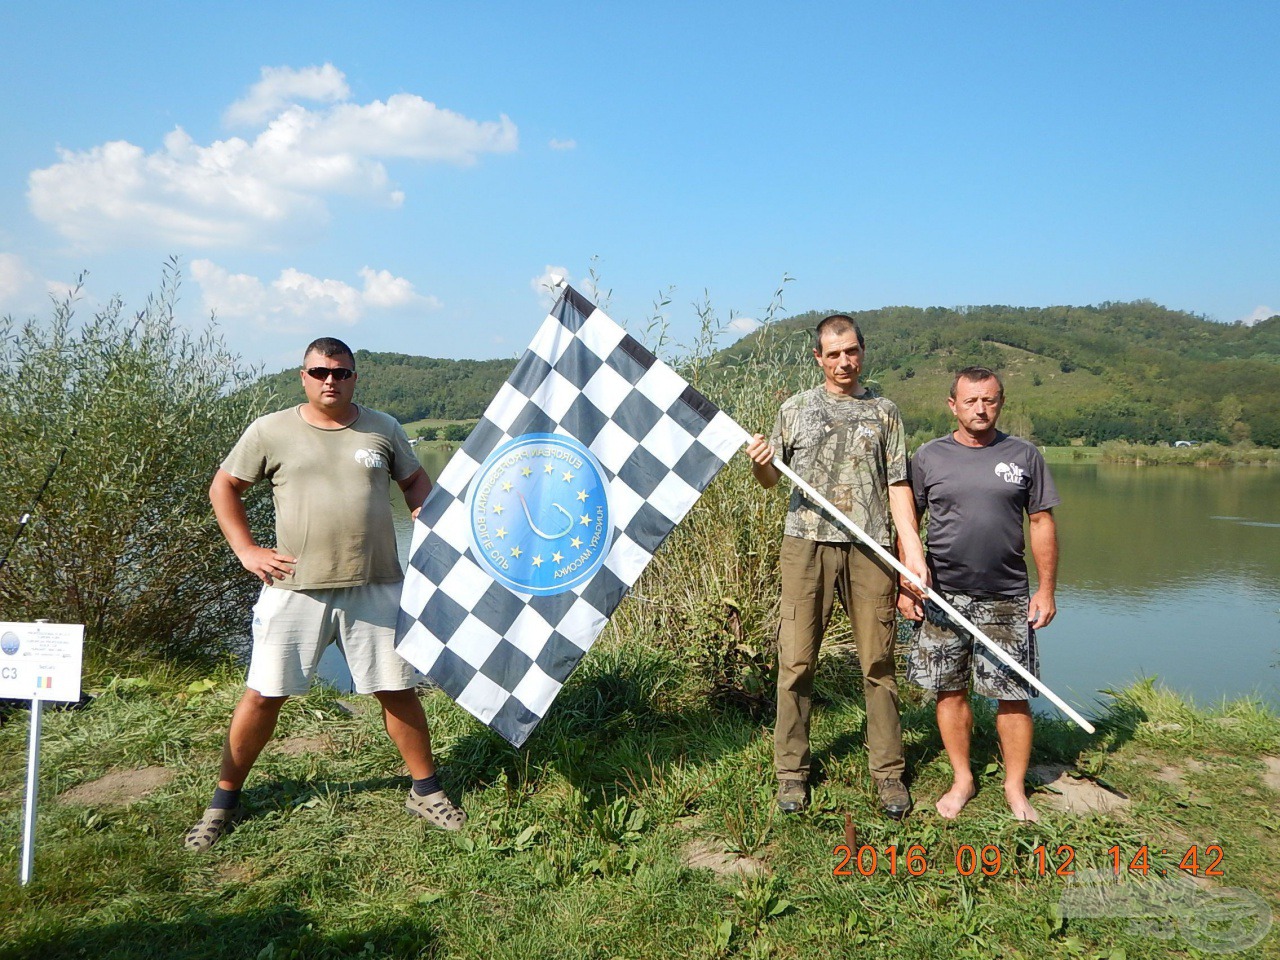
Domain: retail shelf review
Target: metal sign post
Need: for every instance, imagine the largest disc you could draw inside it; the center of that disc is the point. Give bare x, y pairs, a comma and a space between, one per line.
33, 788
38, 661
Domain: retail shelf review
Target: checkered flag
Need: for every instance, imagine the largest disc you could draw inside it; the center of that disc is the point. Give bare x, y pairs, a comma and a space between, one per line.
586, 459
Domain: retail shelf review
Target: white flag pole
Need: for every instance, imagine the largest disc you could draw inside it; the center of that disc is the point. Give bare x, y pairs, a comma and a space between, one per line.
951, 611
33, 786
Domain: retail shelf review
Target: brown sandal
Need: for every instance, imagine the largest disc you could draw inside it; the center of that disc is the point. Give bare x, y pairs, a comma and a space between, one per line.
212, 827
437, 809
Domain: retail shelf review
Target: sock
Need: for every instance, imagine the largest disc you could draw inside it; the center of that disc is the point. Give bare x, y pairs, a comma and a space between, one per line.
225, 799
427, 785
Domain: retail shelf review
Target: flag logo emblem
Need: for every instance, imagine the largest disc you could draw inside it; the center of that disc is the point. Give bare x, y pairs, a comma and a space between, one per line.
9, 643
539, 512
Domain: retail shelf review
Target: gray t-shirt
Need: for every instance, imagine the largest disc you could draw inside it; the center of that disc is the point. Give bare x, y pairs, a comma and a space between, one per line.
850, 449
330, 489
976, 497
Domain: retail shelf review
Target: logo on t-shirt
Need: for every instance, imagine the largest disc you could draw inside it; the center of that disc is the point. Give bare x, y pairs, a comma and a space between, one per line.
1010, 472
373, 459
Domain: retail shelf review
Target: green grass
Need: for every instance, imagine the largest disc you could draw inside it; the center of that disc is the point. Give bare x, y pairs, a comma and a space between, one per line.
1071, 454
575, 843
412, 427
1201, 455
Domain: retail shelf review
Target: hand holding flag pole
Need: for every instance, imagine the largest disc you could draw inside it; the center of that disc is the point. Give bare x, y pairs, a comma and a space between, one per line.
932, 594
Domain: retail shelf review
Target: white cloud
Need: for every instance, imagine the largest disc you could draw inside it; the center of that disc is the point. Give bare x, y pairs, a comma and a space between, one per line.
61, 290
381, 289
555, 144
296, 299
1259, 314
25, 292
543, 283
16, 281
406, 126
743, 325
260, 192
281, 86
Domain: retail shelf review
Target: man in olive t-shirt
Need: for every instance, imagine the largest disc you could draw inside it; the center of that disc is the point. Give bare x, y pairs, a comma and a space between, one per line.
333, 574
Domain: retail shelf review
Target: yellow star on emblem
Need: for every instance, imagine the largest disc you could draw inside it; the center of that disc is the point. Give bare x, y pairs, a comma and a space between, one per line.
557, 556
537, 561
506, 486
585, 520
516, 551
582, 495
501, 533
526, 472
577, 542
498, 509
548, 468
567, 476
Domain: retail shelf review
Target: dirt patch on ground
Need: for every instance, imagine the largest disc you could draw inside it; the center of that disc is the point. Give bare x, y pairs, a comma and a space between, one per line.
1068, 793
706, 855
119, 788
296, 746
235, 873
1272, 777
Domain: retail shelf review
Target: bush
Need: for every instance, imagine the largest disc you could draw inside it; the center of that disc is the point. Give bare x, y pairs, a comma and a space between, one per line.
124, 540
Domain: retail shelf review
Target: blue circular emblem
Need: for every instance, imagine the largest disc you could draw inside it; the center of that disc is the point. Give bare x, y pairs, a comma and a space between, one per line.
539, 510
9, 643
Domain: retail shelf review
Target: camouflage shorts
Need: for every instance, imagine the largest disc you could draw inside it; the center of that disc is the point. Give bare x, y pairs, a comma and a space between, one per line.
943, 657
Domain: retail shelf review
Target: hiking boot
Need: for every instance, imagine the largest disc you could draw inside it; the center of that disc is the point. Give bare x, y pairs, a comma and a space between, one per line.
793, 797
437, 809
895, 801
212, 827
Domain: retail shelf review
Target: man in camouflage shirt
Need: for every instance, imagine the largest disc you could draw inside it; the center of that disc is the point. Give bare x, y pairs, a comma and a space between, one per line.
848, 443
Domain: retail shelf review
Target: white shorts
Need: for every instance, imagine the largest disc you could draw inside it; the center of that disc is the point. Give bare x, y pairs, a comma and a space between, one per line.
292, 629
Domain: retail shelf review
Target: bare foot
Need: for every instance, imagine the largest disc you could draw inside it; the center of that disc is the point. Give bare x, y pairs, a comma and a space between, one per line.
952, 802
1021, 806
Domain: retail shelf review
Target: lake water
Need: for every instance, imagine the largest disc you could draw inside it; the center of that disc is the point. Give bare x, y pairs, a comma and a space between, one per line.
1165, 571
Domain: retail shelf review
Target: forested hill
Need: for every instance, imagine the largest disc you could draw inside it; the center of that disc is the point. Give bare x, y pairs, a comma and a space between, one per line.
415, 388
1134, 370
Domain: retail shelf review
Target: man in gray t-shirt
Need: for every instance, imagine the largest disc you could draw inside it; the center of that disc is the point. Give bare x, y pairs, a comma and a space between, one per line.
332, 576
976, 484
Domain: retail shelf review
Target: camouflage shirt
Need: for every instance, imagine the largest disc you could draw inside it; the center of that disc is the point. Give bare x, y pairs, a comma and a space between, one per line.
850, 449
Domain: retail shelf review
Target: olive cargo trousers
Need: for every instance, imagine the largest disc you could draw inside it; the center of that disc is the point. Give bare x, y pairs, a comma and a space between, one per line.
813, 574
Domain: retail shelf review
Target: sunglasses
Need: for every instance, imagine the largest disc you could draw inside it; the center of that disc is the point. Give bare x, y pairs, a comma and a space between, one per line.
324, 373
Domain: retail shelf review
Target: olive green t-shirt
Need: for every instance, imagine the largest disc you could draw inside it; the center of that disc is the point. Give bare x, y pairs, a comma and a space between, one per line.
850, 449
330, 489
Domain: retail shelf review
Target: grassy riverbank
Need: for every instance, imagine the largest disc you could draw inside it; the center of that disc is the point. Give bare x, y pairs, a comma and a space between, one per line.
1203, 455
639, 822
1070, 454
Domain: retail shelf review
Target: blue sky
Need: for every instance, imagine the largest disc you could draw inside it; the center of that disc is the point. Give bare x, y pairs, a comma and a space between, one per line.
401, 174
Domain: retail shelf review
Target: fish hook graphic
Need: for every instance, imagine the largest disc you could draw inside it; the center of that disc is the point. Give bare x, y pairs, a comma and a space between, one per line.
534, 527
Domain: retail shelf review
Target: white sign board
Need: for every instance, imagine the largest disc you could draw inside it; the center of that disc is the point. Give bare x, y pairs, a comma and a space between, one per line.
41, 661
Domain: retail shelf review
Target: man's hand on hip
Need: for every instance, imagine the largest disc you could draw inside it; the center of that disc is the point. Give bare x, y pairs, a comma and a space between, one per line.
266, 563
